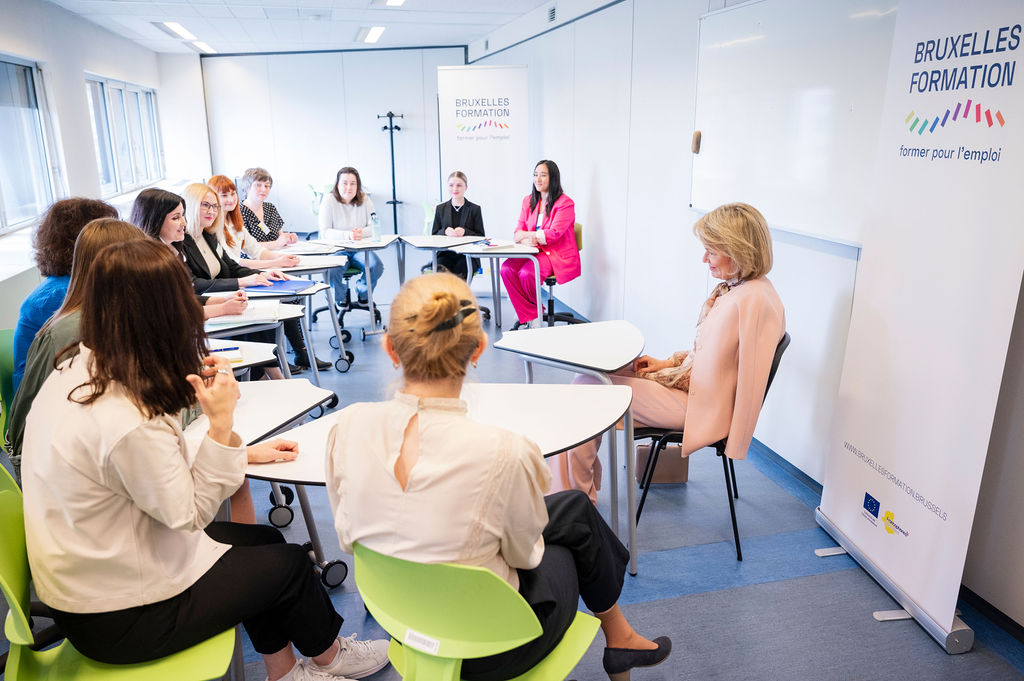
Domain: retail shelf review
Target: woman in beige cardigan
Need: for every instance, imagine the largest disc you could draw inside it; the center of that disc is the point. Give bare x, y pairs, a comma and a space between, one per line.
715, 389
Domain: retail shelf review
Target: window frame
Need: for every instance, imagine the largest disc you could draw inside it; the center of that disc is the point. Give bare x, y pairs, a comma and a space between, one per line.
146, 165
46, 138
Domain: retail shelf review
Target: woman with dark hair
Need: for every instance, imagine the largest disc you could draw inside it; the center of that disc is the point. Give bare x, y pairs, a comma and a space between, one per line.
345, 215
54, 244
118, 510
547, 222
457, 216
417, 478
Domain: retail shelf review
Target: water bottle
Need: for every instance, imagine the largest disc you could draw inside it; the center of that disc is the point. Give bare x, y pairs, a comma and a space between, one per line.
374, 226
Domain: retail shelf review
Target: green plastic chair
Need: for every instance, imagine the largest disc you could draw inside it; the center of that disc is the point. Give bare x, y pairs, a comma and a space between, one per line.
207, 660
6, 377
440, 614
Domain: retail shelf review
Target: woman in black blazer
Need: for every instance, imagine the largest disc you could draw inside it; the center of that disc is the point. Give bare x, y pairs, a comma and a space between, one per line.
457, 217
213, 270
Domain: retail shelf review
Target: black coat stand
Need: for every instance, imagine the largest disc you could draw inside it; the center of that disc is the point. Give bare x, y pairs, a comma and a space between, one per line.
390, 128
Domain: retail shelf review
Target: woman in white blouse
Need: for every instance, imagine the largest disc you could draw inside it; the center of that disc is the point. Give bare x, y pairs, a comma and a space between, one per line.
417, 479
345, 215
118, 509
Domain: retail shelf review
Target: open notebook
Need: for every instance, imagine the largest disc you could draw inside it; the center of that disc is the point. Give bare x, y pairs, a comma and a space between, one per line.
257, 311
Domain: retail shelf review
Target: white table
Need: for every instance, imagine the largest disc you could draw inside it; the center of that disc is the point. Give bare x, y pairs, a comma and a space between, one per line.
264, 409
252, 353
321, 264
221, 329
481, 250
596, 349
367, 245
435, 243
521, 407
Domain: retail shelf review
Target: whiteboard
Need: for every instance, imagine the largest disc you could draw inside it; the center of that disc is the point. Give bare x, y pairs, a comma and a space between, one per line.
789, 101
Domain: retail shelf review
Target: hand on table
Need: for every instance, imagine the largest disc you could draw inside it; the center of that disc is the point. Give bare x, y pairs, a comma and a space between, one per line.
275, 275
646, 364
525, 238
357, 233
274, 450
233, 304
289, 237
285, 260
258, 279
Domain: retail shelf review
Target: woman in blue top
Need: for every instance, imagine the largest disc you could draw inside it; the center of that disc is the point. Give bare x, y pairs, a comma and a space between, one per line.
54, 244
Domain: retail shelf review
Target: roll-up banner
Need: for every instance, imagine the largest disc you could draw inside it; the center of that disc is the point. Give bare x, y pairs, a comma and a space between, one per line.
937, 286
483, 121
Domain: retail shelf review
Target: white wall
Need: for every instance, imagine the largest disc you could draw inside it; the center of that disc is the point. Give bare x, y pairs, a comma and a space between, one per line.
67, 46
183, 127
304, 116
613, 98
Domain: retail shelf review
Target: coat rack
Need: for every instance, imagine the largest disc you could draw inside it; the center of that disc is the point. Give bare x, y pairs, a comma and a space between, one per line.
390, 128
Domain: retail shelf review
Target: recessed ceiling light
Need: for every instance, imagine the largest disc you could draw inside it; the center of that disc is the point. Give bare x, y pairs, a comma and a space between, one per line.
180, 30
395, 3
369, 35
203, 47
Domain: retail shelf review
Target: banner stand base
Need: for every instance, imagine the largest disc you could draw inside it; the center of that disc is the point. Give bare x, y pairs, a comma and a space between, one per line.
830, 551
958, 639
891, 615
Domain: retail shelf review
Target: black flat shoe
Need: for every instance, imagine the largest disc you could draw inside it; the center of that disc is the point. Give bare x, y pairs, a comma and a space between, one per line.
618, 661
320, 364
294, 369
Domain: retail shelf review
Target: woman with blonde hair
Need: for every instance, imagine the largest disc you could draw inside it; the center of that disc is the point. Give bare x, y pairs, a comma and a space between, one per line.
237, 240
213, 269
714, 389
417, 479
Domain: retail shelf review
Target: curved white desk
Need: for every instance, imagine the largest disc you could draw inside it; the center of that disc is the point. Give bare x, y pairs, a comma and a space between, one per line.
596, 349
524, 408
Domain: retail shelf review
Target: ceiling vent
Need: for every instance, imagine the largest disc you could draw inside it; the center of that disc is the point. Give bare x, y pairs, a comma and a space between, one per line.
552, 14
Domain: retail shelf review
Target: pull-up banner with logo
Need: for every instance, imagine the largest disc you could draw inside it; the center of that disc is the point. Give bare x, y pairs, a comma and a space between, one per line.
483, 119
937, 286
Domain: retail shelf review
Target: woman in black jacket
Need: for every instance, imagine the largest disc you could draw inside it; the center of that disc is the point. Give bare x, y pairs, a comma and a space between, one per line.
457, 217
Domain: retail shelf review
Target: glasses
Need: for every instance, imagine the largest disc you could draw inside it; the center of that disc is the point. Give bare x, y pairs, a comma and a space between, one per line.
209, 206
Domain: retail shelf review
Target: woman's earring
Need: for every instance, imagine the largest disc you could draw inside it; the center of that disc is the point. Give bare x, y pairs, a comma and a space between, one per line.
395, 364
474, 364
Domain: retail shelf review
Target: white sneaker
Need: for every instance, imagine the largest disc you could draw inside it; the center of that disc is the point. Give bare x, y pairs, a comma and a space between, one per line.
296, 673
355, 660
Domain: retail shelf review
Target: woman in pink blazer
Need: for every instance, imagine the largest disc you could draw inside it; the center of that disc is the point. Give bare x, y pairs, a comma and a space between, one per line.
715, 389
547, 222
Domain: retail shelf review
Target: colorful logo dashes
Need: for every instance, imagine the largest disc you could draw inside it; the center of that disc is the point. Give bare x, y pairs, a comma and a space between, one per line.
466, 127
961, 112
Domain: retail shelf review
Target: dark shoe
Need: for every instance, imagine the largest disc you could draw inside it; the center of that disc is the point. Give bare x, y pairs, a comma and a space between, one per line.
302, 359
293, 369
618, 661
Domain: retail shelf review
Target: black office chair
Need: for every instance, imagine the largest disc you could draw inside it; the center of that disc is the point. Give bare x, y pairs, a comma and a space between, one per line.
551, 316
347, 306
661, 437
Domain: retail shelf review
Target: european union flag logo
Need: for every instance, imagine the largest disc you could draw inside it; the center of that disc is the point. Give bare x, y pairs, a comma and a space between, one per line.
871, 504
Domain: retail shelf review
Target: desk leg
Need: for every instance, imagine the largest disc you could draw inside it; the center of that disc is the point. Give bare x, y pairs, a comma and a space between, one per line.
282, 358
369, 290
630, 491
613, 464
536, 277
433, 260
308, 517
308, 336
332, 306
401, 266
496, 290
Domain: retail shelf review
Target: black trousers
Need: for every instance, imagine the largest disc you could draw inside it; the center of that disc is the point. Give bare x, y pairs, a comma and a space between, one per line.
582, 558
261, 582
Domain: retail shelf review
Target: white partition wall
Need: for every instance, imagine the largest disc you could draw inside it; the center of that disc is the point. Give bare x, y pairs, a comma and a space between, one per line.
304, 116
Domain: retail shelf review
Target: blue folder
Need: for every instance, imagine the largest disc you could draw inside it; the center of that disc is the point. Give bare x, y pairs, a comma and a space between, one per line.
285, 286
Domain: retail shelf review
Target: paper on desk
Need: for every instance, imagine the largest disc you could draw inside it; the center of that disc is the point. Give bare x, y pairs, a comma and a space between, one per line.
257, 311
497, 245
309, 247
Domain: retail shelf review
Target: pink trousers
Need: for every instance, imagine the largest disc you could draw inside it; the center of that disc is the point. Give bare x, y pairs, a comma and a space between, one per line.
653, 405
517, 273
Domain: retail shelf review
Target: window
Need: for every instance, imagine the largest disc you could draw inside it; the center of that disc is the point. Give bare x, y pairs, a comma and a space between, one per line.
26, 180
126, 133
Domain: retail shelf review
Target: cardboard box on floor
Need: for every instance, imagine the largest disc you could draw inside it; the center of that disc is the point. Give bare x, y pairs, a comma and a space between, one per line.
672, 467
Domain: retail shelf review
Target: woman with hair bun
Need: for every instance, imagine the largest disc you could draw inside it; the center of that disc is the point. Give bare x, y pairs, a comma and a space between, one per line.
417, 479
